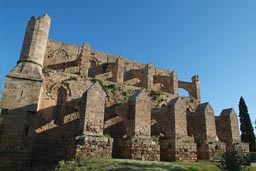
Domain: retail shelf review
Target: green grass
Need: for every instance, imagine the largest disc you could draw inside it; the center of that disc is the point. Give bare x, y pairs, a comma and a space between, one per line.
107, 164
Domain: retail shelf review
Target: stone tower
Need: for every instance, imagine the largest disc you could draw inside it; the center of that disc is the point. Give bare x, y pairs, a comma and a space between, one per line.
21, 97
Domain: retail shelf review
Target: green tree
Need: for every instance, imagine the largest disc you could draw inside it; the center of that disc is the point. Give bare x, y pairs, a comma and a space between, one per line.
230, 161
247, 134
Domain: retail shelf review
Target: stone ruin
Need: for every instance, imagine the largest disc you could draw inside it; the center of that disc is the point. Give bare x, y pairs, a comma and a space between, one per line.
63, 101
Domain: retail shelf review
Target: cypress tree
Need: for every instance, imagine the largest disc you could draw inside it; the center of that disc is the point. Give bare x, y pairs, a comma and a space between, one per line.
247, 134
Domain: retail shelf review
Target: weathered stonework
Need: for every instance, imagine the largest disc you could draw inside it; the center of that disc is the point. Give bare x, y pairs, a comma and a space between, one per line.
21, 97
92, 146
173, 150
63, 101
138, 148
228, 131
138, 144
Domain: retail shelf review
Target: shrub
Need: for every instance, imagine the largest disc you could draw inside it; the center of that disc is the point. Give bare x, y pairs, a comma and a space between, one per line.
230, 161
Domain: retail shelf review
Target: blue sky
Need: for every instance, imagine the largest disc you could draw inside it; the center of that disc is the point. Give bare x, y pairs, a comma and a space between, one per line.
215, 39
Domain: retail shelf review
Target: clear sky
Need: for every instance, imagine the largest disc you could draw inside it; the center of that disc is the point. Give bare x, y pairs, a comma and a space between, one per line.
214, 39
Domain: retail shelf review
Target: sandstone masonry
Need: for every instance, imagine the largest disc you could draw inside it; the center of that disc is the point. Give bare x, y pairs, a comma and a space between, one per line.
63, 101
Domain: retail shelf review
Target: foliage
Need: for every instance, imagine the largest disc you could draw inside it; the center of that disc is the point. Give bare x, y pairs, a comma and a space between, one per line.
109, 89
157, 97
155, 94
112, 90
247, 134
236, 161
46, 71
155, 138
231, 161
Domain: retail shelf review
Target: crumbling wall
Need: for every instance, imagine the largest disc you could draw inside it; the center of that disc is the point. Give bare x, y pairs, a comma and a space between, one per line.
228, 130
227, 127
61, 56
204, 123
193, 87
62, 114
138, 143
203, 128
169, 82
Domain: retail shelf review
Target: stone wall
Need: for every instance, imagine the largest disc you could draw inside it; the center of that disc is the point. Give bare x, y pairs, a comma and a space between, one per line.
138, 148
210, 151
92, 146
83, 60
175, 150
62, 57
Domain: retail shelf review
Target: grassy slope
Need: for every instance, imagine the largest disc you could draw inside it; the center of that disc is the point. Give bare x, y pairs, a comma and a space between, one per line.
93, 164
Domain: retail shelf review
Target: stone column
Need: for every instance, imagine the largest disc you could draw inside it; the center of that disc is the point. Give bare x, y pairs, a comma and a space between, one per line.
174, 83
147, 81
21, 97
118, 73
195, 91
84, 60
35, 40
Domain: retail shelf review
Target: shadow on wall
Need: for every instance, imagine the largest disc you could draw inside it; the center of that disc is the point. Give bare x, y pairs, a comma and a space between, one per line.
55, 134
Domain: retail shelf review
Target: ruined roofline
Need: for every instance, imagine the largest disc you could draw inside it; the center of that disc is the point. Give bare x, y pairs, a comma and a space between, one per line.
113, 55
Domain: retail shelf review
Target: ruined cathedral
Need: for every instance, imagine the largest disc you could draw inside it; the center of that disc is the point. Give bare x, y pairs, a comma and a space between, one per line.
63, 101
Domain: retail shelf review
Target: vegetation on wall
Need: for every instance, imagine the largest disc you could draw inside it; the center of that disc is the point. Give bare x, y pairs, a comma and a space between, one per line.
45, 71
113, 91
157, 98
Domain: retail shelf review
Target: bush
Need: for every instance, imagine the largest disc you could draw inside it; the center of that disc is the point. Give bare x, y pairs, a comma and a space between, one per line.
232, 161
